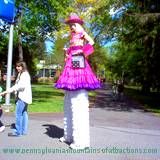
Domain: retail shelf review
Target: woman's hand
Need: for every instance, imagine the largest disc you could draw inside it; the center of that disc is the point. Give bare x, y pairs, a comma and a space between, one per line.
88, 38
3, 93
65, 53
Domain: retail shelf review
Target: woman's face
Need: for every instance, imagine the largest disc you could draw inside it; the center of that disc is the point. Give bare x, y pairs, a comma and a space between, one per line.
19, 68
72, 27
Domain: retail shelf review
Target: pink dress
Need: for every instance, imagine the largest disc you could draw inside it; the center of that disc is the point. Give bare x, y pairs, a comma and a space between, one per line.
77, 78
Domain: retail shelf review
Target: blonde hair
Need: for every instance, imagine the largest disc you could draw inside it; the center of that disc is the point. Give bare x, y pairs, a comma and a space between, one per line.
79, 28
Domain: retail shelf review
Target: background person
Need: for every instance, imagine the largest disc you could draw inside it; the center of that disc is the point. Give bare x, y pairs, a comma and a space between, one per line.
120, 89
2, 127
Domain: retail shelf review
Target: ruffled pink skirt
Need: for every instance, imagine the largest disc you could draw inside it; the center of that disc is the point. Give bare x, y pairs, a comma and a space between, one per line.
79, 78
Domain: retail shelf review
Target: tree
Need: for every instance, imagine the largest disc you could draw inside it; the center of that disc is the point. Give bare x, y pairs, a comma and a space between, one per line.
43, 14
35, 21
136, 28
139, 34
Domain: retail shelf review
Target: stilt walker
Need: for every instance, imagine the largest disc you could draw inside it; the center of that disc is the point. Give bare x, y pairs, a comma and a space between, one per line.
77, 79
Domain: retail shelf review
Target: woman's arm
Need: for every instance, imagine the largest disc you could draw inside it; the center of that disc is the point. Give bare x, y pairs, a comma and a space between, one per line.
20, 86
88, 38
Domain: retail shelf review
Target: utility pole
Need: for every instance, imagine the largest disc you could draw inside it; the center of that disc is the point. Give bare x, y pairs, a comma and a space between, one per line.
9, 66
7, 14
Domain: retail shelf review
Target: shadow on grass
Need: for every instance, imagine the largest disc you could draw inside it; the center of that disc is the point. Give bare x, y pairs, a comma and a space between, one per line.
151, 100
53, 131
106, 101
46, 94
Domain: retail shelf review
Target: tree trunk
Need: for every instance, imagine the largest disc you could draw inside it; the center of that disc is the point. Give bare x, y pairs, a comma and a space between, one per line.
20, 49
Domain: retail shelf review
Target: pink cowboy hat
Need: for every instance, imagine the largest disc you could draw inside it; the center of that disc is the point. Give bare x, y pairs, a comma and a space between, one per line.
74, 19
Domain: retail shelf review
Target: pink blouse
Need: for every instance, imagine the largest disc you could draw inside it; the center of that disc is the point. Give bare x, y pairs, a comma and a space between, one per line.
76, 37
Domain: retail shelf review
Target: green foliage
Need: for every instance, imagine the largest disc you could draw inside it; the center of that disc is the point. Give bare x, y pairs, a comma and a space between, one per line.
35, 22
58, 53
46, 99
137, 54
99, 59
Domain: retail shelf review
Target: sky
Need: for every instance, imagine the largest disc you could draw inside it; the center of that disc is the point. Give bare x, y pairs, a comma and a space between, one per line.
49, 45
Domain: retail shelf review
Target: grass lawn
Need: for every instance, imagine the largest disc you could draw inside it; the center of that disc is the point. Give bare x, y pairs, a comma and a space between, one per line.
151, 101
48, 99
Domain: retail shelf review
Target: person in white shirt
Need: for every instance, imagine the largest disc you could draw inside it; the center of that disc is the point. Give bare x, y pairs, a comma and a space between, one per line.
2, 126
23, 92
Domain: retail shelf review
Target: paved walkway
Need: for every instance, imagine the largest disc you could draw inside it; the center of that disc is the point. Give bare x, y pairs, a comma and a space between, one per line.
119, 131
